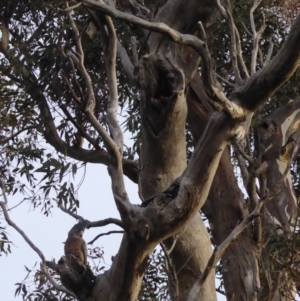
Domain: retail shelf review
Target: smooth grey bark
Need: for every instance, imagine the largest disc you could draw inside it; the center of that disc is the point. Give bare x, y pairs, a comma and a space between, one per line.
279, 139
163, 104
225, 208
279, 143
163, 160
163, 147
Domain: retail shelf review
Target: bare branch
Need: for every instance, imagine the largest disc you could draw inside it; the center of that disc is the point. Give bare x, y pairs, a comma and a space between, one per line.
256, 35
103, 234
245, 156
5, 36
32, 246
171, 273
135, 55
219, 251
73, 214
185, 39
70, 8
91, 101
5, 140
125, 61
270, 52
224, 80
79, 127
89, 224
266, 81
226, 13
202, 31
76, 98
105, 222
243, 167
112, 104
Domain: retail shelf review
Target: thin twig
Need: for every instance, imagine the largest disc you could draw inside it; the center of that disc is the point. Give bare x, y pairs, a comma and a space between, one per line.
103, 234
224, 80
80, 128
91, 101
214, 88
105, 222
17, 133
256, 35
34, 247
112, 104
70, 8
125, 61
219, 251
89, 224
244, 155
169, 251
202, 31
227, 15
270, 52
76, 98
71, 213
172, 273
4, 192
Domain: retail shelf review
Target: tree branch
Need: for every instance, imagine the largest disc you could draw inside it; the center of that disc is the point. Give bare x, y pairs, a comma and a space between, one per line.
105, 222
256, 35
226, 13
219, 251
32, 246
185, 39
89, 224
80, 128
103, 234
112, 104
125, 61
17, 133
266, 81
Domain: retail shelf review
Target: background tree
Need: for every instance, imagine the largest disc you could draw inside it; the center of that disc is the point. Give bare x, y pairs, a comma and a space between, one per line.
227, 70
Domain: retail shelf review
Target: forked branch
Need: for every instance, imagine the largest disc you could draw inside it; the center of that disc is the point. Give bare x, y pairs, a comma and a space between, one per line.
256, 35
95, 224
219, 251
209, 77
112, 104
114, 145
31, 245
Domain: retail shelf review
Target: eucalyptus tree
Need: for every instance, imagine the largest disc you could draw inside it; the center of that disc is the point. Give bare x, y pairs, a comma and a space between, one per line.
210, 93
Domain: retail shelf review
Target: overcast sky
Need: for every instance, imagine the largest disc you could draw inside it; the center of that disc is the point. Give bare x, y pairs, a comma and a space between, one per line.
49, 233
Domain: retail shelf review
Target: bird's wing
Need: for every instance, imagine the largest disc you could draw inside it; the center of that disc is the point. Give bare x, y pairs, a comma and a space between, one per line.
84, 251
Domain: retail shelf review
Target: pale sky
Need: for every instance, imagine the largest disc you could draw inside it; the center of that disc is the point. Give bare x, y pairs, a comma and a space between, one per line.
49, 233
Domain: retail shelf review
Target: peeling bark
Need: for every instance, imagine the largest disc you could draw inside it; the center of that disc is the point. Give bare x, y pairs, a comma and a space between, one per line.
279, 138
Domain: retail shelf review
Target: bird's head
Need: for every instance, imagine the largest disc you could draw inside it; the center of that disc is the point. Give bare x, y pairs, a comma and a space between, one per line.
78, 229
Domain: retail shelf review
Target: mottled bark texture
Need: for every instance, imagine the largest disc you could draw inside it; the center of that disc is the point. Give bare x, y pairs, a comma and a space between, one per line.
163, 111
165, 73
225, 208
279, 143
163, 79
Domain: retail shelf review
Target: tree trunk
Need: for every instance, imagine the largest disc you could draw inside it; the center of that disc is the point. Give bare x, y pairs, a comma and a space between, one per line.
163, 159
225, 208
